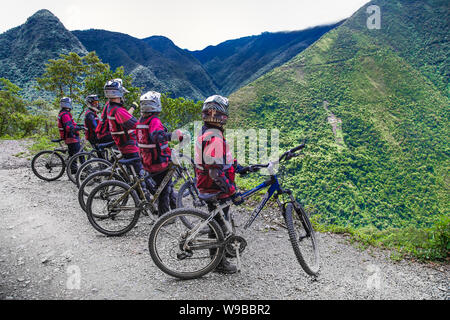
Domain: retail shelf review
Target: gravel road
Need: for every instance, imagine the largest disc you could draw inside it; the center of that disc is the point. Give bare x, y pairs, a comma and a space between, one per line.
48, 250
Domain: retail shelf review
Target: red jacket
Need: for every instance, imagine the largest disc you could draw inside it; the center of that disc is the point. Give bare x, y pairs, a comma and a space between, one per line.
153, 144
68, 127
213, 152
123, 128
91, 121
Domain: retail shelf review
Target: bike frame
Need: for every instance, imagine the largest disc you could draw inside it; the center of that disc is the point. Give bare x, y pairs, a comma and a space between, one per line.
274, 189
137, 186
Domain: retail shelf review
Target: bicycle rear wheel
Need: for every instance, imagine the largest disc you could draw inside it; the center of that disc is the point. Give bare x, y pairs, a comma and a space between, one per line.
48, 165
111, 209
303, 239
76, 161
91, 182
89, 167
170, 252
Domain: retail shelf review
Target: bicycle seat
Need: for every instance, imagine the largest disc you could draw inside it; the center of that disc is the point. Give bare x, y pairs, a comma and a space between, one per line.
57, 140
103, 146
209, 197
129, 162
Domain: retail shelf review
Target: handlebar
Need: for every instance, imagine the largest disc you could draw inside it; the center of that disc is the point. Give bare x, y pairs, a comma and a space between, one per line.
286, 156
292, 153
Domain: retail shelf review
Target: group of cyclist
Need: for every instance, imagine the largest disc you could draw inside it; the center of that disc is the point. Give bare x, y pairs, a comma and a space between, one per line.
147, 141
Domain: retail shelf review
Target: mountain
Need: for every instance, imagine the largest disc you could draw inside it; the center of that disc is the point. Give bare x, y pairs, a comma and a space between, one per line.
373, 105
25, 49
155, 63
235, 63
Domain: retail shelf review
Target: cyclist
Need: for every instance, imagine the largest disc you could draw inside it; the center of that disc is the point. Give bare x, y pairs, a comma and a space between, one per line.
102, 131
153, 139
69, 130
215, 166
91, 119
122, 124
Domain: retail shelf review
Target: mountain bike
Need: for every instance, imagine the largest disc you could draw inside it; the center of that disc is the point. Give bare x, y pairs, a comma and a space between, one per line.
49, 165
89, 167
117, 171
192, 252
113, 207
81, 157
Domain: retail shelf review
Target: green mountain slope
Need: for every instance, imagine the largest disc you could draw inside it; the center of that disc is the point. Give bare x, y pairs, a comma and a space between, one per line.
164, 68
235, 63
378, 148
24, 50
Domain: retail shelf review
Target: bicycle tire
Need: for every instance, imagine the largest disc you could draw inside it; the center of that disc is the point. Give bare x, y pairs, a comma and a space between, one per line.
301, 217
85, 170
83, 195
187, 193
45, 178
165, 221
92, 217
72, 177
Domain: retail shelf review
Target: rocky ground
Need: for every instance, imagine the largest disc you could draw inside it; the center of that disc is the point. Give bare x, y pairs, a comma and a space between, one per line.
48, 250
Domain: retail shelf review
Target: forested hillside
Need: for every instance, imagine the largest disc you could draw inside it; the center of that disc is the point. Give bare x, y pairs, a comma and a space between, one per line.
24, 50
166, 68
385, 93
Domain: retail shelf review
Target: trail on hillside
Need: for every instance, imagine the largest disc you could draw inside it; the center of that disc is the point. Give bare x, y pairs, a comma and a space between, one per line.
45, 239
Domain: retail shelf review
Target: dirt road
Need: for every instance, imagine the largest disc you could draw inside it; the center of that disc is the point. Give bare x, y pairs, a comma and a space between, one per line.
48, 250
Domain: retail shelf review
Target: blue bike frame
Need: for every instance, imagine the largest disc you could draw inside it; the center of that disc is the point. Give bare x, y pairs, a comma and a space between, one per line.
274, 186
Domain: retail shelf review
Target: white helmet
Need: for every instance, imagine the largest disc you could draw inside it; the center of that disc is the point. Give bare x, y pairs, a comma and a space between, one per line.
65, 103
151, 102
114, 89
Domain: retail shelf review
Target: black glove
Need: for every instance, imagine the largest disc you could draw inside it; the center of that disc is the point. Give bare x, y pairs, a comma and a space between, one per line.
246, 170
237, 199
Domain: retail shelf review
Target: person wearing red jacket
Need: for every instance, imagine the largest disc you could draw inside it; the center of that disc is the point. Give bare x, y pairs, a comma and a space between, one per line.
215, 165
102, 130
69, 130
153, 141
122, 125
91, 119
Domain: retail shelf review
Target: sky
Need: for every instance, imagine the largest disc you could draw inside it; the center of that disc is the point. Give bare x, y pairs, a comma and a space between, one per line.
190, 24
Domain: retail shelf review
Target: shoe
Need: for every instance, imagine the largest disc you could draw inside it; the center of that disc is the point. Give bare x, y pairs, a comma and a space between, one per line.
225, 267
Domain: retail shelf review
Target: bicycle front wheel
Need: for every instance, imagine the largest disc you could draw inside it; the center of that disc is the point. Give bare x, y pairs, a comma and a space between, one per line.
182, 252
48, 165
91, 182
112, 208
74, 163
89, 167
303, 238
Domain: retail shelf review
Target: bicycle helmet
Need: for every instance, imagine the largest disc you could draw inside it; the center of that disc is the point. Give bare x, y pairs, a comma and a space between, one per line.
92, 102
114, 89
151, 102
66, 103
215, 110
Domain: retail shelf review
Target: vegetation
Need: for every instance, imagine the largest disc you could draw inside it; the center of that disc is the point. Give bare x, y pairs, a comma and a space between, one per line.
388, 181
77, 77
15, 119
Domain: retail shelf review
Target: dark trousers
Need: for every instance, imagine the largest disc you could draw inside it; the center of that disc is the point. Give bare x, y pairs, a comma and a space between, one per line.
137, 166
166, 200
217, 218
74, 148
